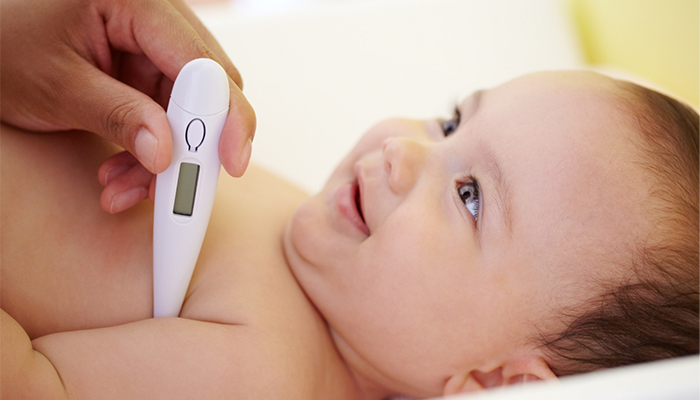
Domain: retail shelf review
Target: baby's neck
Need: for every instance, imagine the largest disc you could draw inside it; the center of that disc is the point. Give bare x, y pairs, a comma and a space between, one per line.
365, 378
338, 378
344, 381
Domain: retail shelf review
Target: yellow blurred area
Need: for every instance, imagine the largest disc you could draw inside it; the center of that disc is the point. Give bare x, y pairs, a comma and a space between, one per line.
657, 40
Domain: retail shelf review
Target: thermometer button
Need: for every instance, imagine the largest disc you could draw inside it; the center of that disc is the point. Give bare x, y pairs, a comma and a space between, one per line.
194, 134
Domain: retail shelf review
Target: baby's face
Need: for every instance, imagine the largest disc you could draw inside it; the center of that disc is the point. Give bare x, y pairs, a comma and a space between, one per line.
432, 250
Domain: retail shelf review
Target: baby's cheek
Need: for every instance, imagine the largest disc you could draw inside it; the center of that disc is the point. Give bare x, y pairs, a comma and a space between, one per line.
407, 255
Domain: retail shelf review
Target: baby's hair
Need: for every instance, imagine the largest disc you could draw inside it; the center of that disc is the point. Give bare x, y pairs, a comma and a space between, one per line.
654, 314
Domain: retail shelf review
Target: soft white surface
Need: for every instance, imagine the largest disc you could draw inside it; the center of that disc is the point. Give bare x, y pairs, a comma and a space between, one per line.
319, 77
677, 379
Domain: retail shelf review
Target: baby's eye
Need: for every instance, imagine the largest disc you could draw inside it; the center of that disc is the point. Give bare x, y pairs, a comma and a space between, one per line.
469, 194
450, 126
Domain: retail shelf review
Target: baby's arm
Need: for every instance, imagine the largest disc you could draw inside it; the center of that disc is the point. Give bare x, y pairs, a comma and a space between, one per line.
26, 373
168, 358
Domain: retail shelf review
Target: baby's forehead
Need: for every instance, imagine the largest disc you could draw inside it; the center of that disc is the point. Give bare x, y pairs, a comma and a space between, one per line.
573, 93
576, 80
565, 149
556, 111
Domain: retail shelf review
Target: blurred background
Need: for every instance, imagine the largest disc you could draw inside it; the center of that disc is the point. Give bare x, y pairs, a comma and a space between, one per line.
320, 72
654, 39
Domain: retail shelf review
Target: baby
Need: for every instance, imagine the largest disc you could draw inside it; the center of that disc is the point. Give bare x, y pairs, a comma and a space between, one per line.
549, 228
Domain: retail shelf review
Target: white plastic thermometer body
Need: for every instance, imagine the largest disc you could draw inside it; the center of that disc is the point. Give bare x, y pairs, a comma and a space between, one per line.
185, 191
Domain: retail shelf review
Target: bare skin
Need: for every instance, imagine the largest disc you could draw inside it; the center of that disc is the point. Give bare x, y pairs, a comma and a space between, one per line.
437, 287
81, 293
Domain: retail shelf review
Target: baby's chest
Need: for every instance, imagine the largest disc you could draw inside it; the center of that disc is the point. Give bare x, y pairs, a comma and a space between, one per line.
242, 273
244, 279
258, 294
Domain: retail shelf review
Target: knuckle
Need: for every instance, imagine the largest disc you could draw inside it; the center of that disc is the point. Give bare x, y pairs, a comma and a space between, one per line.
118, 123
201, 48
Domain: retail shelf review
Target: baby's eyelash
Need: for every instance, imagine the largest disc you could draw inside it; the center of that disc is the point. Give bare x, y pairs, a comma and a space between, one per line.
450, 126
456, 112
469, 193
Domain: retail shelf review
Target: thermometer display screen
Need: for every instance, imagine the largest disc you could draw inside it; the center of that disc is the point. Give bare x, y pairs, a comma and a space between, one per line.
186, 189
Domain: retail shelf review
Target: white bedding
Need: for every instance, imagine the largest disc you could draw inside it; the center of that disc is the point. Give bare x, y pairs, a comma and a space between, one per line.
677, 379
319, 77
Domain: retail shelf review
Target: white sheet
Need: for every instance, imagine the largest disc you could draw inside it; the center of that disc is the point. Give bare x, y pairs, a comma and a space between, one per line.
677, 379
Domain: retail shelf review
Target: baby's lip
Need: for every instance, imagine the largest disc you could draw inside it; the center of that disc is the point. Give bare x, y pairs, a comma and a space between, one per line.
358, 201
357, 196
348, 199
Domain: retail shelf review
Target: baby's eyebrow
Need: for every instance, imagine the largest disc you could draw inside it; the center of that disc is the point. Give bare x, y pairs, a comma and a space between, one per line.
502, 193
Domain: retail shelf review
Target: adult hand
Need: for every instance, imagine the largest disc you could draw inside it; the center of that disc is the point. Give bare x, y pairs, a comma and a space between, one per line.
108, 66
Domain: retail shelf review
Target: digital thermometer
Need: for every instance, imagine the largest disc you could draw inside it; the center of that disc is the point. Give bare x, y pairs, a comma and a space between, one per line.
185, 191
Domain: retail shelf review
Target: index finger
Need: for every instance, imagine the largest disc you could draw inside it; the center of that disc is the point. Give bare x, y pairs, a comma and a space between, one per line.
160, 30
210, 41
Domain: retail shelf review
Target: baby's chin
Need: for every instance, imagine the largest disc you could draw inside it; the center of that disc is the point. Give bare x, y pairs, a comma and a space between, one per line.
287, 245
293, 232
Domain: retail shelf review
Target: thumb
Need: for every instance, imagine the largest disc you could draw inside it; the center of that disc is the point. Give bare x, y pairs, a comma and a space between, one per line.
127, 117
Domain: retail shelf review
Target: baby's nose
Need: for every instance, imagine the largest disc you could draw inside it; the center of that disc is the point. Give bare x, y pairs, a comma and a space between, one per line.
403, 158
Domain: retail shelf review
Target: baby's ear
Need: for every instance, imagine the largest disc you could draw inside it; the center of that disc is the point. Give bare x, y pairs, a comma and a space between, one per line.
526, 369
518, 370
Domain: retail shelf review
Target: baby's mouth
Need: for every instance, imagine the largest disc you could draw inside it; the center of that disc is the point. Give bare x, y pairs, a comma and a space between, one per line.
358, 203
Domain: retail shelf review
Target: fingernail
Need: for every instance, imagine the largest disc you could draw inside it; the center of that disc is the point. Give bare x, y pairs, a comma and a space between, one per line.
146, 147
244, 158
126, 199
114, 173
